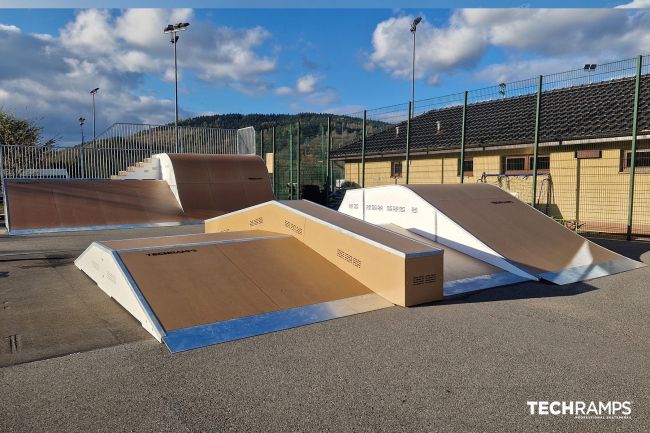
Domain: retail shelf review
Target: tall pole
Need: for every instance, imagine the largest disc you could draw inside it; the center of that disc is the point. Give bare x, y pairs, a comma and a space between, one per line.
635, 124
298, 163
538, 106
94, 124
413, 78
408, 142
273, 152
462, 140
363, 150
262, 144
174, 42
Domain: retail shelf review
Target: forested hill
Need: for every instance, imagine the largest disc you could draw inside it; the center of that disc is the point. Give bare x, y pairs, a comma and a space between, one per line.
263, 121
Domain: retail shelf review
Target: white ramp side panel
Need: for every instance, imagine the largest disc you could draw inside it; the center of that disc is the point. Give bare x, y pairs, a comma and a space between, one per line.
394, 204
489, 224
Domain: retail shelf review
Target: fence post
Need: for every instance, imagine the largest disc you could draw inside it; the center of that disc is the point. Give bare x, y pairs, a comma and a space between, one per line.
298, 162
538, 106
290, 161
363, 150
273, 152
328, 168
635, 124
462, 140
408, 142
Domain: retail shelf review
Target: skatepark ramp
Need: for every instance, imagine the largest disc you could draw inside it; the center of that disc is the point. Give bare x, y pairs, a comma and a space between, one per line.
488, 224
167, 189
301, 264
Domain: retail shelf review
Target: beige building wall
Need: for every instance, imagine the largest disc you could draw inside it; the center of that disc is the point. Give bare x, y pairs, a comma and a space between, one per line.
592, 193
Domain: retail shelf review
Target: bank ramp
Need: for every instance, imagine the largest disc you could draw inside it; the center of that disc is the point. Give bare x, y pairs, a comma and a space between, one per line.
294, 268
487, 223
167, 189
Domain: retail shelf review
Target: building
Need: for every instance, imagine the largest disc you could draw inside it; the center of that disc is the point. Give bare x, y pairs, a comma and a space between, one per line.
584, 152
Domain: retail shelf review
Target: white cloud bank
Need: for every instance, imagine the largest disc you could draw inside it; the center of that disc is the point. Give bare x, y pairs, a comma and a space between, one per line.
48, 77
554, 37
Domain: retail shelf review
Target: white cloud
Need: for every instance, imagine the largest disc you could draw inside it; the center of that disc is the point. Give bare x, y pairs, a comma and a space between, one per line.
437, 49
568, 34
283, 91
635, 4
49, 76
306, 84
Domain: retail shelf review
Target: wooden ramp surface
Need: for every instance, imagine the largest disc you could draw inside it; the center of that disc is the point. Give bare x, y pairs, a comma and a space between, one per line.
523, 235
50, 205
212, 185
463, 273
188, 286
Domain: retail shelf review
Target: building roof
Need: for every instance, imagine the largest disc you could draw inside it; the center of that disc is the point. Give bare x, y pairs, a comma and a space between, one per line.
600, 110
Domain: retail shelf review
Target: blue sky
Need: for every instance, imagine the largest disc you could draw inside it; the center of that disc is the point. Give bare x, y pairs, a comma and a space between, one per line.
285, 60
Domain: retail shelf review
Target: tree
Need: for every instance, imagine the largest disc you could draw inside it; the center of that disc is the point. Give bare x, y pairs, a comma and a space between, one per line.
23, 132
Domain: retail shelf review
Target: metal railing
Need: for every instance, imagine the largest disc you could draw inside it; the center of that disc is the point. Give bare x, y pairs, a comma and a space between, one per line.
120, 146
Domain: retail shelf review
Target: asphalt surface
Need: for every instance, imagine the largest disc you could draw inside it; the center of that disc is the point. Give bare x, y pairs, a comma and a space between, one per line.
458, 366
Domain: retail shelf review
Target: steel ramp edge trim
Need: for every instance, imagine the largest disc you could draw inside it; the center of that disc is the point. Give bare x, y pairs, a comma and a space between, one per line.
482, 282
194, 337
108, 227
589, 272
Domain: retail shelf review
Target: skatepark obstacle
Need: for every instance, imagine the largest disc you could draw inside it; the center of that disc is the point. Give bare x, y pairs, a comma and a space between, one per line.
301, 264
167, 189
487, 223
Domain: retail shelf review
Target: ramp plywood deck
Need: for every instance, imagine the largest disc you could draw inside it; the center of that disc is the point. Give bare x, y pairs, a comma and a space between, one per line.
372, 232
212, 185
49, 204
512, 228
456, 265
203, 284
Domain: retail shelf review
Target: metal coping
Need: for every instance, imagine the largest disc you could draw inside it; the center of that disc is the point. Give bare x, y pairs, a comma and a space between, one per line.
109, 227
221, 332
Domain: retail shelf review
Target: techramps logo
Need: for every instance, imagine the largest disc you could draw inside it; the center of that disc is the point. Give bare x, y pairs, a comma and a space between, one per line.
578, 409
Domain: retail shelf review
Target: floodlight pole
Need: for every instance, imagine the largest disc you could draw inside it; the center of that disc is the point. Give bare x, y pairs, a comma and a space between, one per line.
93, 93
175, 42
414, 26
290, 162
173, 33
408, 143
635, 125
81, 149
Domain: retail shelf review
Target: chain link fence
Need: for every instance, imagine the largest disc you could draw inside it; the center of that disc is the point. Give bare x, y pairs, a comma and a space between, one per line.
574, 144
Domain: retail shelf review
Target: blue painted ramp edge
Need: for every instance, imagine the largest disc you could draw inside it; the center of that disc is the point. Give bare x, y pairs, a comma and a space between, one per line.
180, 340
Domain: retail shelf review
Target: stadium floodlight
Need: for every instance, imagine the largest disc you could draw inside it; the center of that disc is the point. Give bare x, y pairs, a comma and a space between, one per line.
414, 26
93, 93
81, 126
173, 30
589, 68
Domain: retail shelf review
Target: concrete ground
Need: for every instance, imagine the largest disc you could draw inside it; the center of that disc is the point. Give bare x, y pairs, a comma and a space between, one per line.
74, 361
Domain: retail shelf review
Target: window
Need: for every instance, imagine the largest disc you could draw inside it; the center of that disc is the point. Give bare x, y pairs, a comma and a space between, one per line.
523, 164
641, 164
468, 167
396, 169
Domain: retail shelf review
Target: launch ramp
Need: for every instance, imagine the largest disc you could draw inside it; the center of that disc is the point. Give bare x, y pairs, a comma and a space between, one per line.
491, 225
194, 290
33, 206
402, 270
210, 185
167, 189
463, 273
